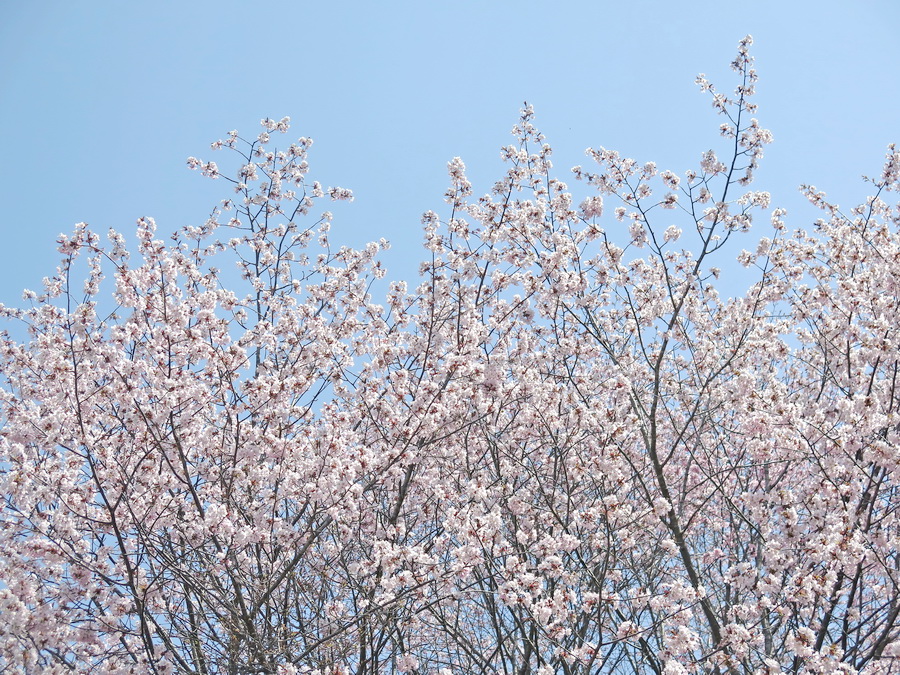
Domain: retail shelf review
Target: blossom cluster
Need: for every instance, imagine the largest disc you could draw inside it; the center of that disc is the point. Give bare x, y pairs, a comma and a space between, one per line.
562, 451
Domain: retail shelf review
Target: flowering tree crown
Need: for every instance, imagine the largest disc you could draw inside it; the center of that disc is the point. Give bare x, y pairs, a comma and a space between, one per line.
562, 452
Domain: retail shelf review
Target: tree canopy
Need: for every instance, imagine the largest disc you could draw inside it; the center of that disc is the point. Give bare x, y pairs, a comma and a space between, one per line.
564, 451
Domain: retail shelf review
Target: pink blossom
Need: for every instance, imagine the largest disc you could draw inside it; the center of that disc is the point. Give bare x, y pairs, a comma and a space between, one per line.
565, 448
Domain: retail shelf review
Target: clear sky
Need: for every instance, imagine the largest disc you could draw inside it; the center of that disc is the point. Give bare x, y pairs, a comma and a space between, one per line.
101, 102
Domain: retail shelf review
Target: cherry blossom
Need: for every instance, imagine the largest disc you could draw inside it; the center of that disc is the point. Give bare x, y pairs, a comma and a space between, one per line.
562, 450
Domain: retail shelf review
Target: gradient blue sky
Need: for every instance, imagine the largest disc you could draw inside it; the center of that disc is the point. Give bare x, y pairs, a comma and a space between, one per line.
102, 101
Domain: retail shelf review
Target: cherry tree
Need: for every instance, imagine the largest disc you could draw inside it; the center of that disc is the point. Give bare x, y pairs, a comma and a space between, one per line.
563, 451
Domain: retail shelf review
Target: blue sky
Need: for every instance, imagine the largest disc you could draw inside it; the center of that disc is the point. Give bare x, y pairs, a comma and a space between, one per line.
101, 102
